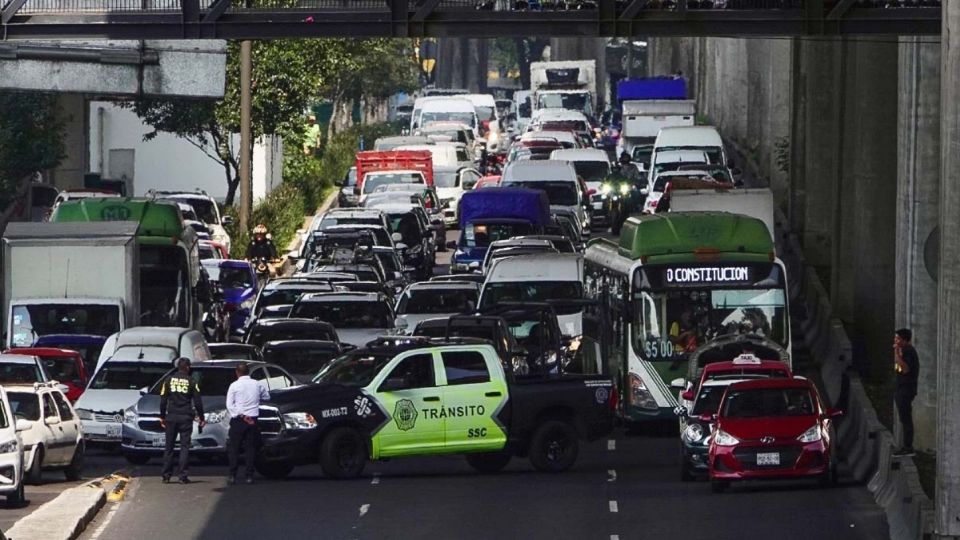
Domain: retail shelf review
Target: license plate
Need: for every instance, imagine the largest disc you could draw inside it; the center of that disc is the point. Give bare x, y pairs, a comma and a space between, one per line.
113, 431
598, 205
158, 440
768, 459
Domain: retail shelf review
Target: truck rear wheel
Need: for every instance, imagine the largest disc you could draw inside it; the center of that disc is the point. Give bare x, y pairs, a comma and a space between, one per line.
554, 446
489, 462
343, 453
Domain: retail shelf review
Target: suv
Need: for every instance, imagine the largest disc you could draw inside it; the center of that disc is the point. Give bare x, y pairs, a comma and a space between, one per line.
416, 396
11, 452
359, 317
54, 439
206, 209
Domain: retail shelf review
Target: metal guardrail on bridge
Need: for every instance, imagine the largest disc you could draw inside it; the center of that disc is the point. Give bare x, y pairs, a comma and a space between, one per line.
172, 19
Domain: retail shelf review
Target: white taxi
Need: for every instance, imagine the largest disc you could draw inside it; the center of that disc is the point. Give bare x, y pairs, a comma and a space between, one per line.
11, 452
54, 438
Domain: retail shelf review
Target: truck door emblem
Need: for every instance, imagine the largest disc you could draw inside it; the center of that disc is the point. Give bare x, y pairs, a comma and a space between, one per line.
362, 406
602, 394
405, 415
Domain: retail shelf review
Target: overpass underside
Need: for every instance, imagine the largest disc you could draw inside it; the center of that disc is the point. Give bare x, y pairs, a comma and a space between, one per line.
263, 19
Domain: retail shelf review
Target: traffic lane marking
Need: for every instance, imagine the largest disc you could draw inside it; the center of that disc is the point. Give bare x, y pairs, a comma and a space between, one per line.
612, 475
364, 508
614, 507
612, 444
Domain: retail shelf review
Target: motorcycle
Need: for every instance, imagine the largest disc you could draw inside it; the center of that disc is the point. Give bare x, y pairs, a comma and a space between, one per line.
264, 272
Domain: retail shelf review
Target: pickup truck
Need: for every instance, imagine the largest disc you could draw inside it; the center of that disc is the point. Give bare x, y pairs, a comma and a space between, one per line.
415, 396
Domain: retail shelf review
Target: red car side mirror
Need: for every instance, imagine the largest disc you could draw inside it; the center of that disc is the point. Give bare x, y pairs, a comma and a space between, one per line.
708, 418
687, 395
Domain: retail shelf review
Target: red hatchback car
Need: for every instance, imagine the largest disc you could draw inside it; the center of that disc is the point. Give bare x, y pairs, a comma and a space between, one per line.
63, 365
772, 429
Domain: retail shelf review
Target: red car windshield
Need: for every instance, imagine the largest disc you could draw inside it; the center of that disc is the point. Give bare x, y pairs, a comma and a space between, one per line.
767, 402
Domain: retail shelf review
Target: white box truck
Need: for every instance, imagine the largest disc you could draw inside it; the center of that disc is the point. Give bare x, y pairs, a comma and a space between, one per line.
752, 202
565, 85
69, 279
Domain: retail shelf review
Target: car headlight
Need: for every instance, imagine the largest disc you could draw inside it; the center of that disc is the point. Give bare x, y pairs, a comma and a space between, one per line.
624, 189
693, 433
299, 420
215, 417
9, 446
811, 435
130, 415
84, 414
722, 438
605, 188
639, 395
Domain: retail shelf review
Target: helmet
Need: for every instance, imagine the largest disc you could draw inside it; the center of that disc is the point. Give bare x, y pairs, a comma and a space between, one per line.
260, 229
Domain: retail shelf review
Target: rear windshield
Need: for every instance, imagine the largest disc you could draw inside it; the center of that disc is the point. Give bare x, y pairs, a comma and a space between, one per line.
592, 171
560, 193
61, 368
128, 375
437, 301
530, 291
231, 278
285, 295
767, 402
300, 360
483, 234
20, 373
263, 334
373, 181
346, 314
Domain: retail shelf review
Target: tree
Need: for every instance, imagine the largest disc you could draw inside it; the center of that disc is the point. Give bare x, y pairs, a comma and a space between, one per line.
32, 129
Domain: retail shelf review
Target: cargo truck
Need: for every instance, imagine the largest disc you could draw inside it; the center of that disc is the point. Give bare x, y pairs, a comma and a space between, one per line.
647, 105
69, 279
753, 202
565, 85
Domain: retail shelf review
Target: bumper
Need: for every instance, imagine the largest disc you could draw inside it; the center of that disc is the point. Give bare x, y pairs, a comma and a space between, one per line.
11, 471
98, 431
297, 447
696, 457
796, 461
634, 414
147, 437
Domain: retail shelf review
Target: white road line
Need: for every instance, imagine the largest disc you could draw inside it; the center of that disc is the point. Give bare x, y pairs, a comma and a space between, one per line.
106, 521
376, 480
613, 507
614, 537
612, 475
364, 509
612, 444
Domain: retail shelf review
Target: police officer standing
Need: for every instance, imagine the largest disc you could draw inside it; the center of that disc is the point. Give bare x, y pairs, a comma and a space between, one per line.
243, 405
180, 404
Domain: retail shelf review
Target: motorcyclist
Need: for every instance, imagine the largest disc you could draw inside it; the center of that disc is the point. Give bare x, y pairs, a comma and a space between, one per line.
261, 246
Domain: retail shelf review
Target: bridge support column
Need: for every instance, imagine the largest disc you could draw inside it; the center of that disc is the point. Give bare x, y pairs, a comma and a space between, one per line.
917, 218
947, 522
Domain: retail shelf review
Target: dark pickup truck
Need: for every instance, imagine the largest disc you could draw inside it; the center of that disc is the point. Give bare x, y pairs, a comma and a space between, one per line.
421, 396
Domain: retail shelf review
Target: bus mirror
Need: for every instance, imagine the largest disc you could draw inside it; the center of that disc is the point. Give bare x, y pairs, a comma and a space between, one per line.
678, 383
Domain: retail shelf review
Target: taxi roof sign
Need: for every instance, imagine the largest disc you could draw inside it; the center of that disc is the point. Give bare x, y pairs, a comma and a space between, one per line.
747, 358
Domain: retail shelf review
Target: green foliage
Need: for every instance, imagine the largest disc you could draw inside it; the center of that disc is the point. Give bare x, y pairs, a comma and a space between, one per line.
31, 137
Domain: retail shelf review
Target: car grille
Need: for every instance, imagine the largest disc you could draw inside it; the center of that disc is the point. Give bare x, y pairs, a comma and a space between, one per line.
10, 473
269, 421
151, 425
748, 457
114, 418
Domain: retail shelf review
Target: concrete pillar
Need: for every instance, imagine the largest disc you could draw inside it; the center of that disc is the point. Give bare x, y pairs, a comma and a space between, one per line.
69, 174
865, 263
820, 99
947, 507
917, 217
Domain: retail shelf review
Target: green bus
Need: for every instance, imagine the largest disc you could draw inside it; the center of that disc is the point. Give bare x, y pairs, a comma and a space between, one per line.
674, 282
169, 257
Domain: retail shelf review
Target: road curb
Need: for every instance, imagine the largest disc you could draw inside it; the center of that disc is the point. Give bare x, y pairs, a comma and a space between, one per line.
67, 515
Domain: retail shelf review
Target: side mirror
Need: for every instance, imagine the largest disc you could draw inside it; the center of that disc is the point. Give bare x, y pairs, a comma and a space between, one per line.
707, 418
834, 413
474, 265
397, 237
401, 246
347, 347
393, 385
144, 390
591, 192
63, 388
687, 395
293, 255
452, 244
226, 221
644, 191
398, 275
678, 384
23, 425
51, 420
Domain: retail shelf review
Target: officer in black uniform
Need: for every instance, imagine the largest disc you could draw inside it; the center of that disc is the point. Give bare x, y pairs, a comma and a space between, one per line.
261, 246
179, 399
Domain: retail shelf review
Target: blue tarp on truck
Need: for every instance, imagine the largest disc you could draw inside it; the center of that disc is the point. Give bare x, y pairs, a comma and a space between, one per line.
652, 88
514, 203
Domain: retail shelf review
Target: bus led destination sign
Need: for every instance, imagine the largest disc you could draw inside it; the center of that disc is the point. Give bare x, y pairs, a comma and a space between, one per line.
709, 274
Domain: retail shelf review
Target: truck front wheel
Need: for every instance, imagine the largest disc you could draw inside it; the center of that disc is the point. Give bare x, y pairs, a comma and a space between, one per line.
489, 462
554, 446
343, 453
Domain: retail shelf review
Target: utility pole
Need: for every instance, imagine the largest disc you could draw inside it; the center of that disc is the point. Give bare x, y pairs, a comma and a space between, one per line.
245, 143
947, 523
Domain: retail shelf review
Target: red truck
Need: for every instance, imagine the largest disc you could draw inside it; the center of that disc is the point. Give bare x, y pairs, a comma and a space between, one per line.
394, 160
63, 365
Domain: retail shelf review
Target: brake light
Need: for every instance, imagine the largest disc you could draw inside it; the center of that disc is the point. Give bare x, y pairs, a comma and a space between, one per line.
706, 254
614, 400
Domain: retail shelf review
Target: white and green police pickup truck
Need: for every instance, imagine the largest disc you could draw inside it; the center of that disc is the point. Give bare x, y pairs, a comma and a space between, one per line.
420, 396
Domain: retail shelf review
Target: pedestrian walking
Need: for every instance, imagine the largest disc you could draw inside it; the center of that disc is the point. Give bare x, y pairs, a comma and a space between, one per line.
243, 405
906, 365
180, 405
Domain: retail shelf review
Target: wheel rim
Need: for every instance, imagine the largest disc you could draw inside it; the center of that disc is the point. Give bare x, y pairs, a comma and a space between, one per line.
557, 446
347, 454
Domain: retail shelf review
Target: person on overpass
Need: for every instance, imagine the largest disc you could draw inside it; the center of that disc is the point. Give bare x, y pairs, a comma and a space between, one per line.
906, 366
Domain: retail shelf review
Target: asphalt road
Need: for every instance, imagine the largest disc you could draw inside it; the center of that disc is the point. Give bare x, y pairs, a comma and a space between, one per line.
624, 489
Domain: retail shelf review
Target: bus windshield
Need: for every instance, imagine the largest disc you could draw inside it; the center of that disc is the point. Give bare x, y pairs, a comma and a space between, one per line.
674, 321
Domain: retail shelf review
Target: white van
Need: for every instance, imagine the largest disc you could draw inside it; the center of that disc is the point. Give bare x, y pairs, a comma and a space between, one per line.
705, 138
132, 361
11, 451
444, 155
486, 108
446, 110
538, 278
